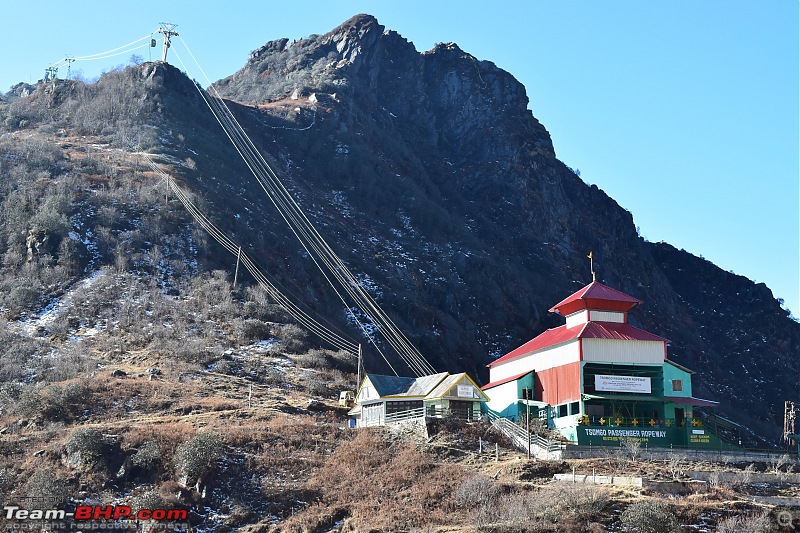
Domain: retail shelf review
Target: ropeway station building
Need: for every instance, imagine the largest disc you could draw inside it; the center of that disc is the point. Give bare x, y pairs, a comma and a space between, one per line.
597, 379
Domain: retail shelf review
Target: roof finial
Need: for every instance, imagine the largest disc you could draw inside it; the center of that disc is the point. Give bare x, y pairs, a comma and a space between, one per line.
591, 266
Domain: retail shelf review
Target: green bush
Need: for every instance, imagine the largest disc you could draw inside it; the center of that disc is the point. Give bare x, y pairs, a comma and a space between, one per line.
48, 491
197, 457
649, 516
148, 456
85, 446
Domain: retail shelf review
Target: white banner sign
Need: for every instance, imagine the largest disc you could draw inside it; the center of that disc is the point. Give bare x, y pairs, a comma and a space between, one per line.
464, 391
622, 384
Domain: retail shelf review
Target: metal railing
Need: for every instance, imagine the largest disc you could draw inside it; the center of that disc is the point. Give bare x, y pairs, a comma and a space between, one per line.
469, 415
519, 435
402, 416
640, 422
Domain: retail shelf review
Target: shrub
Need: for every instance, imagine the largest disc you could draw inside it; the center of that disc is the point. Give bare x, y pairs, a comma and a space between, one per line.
649, 516
197, 457
755, 523
250, 329
85, 446
148, 456
48, 491
474, 491
150, 499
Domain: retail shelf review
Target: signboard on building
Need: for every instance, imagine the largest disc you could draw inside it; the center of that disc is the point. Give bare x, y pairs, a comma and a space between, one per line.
464, 391
622, 384
647, 436
611, 436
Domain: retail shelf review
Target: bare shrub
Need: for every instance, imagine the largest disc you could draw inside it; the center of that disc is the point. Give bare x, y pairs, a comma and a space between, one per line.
749, 523
150, 499
475, 491
776, 464
250, 329
633, 448
649, 516
148, 456
677, 465
746, 476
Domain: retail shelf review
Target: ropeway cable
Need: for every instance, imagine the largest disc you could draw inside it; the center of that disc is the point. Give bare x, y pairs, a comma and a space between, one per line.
349, 282
105, 55
248, 161
285, 203
301, 316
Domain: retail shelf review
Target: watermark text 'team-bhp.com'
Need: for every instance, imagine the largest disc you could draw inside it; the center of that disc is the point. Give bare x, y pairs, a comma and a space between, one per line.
90, 517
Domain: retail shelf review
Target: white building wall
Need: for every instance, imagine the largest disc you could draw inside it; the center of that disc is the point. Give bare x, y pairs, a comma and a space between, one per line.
577, 318
367, 392
562, 354
372, 415
502, 397
607, 316
623, 351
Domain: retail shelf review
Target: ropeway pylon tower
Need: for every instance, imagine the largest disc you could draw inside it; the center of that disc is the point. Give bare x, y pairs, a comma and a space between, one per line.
168, 30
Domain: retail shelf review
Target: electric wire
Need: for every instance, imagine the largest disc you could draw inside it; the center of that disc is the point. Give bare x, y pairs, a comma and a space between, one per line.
247, 157
218, 235
299, 223
107, 54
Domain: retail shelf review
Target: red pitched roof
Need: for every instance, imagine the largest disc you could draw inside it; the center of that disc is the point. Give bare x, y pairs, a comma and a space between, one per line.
595, 296
613, 330
589, 330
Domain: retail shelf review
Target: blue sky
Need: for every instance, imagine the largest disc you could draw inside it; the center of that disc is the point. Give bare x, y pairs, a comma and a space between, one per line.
685, 112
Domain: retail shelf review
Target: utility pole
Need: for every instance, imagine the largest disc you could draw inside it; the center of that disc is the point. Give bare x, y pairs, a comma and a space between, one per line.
360, 367
168, 30
50, 73
69, 61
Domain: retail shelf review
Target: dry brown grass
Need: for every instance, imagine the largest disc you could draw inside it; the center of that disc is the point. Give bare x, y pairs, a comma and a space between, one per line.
381, 485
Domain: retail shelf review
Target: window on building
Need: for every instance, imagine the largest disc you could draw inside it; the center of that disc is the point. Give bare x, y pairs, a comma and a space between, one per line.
396, 407
595, 410
677, 385
562, 410
575, 408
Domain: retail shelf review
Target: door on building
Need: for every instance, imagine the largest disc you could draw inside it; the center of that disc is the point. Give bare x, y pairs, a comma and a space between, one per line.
461, 409
680, 418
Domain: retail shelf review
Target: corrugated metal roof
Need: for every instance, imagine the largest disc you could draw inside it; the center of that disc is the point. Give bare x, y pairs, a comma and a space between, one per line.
615, 330
451, 381
673, 363
549, 338
694, 402
595, 296
445, 385
589, 330
405, 386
